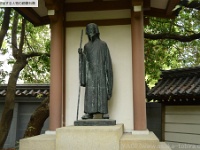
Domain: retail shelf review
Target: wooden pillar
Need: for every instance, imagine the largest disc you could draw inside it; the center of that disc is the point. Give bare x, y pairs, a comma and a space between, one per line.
139, 103
56, 65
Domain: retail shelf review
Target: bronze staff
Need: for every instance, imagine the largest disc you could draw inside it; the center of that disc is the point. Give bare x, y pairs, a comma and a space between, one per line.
79, 91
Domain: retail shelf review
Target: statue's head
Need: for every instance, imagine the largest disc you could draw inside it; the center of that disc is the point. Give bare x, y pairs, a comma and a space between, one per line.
92, 30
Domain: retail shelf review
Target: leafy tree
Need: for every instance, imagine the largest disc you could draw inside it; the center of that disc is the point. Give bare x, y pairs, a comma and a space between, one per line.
25, 46
173, 43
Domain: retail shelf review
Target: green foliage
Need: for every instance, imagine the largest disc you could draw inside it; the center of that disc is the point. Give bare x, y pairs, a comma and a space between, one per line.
38, 68
3, 74
159, 54
171, 54
37, 40
39, 96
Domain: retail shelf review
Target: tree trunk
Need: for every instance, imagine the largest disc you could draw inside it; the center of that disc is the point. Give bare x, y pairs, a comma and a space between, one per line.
7, 114
37, 119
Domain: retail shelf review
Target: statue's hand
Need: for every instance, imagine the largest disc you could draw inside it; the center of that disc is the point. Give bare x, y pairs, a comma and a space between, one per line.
108, 96
80, 51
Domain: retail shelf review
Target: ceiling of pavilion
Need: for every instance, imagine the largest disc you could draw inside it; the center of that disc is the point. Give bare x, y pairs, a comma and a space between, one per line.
157, 8
160, 4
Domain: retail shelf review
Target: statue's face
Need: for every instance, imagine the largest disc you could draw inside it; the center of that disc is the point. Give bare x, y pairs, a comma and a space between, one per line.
91, 30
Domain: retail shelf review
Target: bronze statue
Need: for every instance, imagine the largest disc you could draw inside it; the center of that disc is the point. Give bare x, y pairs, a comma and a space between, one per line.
95, 71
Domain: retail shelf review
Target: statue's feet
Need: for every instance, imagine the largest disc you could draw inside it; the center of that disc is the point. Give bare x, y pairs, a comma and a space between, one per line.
87, 116
105, 116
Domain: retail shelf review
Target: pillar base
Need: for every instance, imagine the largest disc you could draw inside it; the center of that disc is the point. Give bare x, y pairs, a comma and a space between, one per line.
48, 132
142, 132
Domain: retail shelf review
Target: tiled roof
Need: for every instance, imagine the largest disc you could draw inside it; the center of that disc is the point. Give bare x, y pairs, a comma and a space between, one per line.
27, 90
178, 86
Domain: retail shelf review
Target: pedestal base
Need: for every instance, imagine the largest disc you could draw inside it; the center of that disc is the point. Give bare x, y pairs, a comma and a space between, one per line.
93, 138
89, 137
95, 122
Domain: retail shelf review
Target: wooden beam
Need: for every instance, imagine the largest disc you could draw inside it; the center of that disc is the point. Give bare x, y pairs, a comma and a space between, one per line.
49, 1
97, 0
54, 4
50, 4
106, 22
147, 5
29, 14
170, 6
32, 16
137, 2
98, 6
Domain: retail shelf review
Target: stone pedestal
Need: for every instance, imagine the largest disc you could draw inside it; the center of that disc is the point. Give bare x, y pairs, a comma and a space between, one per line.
93, 138
89, 137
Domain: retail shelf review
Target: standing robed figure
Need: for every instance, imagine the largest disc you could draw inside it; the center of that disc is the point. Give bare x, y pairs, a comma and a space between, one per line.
96, 75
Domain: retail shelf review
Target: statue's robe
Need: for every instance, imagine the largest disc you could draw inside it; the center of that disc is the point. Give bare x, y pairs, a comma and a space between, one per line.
96, 76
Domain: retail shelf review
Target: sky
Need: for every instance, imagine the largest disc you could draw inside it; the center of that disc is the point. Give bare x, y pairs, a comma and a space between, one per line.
6, 67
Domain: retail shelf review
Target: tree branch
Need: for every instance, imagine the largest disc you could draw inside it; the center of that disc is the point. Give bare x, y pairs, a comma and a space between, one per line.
28, 44
34, 54
14, 36
194, 4
177, 37
5, 25
22, 36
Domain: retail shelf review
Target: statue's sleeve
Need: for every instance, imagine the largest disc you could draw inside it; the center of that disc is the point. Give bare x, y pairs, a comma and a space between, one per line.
82, 69
109, 73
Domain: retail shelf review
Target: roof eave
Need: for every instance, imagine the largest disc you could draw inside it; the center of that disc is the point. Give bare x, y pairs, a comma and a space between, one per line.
37, 20
32, 16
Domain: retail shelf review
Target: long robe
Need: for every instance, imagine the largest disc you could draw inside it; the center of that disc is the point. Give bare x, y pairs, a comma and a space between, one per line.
97, 76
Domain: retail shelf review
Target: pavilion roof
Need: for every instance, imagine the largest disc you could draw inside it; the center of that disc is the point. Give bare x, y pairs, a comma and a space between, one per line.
178, 86
39, 15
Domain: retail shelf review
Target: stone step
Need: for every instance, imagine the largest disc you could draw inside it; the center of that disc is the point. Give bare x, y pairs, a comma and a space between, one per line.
139, 142
164, 146
40, 142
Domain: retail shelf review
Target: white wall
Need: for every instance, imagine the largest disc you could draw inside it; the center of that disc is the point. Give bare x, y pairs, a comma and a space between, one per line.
182, 127
118, 39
